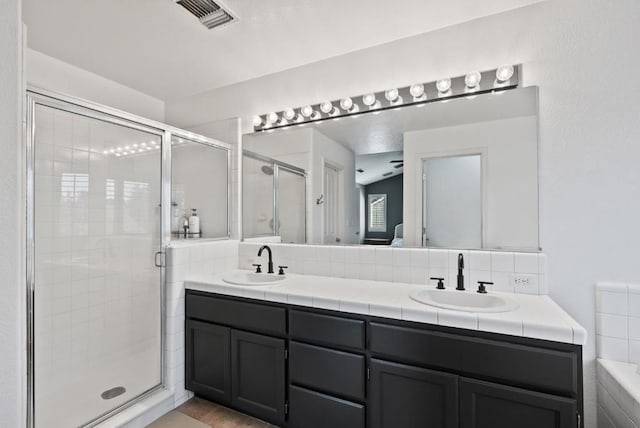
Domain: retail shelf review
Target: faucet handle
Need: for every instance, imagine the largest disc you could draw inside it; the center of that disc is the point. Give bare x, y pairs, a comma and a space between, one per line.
258, 267
481, 286
440, 285
281, 269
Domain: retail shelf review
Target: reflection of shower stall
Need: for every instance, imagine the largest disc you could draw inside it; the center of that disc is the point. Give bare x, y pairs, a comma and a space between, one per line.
97, 182
273, 199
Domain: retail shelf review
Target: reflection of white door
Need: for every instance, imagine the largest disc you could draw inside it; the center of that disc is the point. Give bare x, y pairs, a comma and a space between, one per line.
452, 202
330, 232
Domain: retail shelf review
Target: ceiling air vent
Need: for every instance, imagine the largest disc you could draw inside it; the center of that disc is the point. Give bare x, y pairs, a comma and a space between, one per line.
211, 14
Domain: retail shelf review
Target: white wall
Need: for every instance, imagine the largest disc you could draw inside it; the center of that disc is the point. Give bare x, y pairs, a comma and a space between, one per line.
50, 73
582, 55
510, 172
12, 343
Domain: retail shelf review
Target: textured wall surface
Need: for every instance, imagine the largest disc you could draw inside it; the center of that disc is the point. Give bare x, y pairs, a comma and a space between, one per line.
11, 302
50, 73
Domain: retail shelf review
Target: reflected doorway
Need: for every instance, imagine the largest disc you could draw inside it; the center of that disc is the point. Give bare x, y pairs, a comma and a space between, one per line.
452, 201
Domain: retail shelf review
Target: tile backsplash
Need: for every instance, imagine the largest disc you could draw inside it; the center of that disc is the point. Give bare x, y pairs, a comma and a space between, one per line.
188, 259
618, 321
407, 265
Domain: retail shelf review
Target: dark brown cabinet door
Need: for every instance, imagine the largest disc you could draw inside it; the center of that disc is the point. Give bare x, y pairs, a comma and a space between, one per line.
403, 396
258, 375
488, 405
208, 361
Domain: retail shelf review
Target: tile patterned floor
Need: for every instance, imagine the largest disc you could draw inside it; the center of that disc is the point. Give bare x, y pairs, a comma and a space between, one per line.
216, 416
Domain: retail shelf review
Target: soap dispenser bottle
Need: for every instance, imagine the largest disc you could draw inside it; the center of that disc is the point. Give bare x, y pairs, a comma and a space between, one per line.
194, 222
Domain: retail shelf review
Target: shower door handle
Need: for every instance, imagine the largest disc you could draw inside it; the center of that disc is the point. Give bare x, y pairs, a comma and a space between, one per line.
159, 256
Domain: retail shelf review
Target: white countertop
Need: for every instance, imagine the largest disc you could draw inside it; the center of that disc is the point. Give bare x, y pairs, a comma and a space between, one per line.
538, 317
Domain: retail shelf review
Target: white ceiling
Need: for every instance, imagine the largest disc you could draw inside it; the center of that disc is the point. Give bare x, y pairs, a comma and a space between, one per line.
157, 47
376, 165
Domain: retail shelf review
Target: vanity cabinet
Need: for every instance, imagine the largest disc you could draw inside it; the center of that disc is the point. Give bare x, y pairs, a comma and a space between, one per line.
208, 360
301, 367
406, 396
488, 405
234, 367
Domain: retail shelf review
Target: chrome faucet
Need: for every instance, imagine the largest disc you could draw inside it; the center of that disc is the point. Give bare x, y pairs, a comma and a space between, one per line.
460, 275
270, 266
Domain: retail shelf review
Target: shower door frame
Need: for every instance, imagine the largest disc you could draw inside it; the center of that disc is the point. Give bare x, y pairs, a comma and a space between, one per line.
37, 96
277, 165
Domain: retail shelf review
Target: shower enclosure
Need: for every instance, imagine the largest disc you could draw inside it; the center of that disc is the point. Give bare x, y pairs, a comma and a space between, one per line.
98, 184
273, 199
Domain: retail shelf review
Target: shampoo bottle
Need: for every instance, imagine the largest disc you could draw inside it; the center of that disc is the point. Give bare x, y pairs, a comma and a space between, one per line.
194, 222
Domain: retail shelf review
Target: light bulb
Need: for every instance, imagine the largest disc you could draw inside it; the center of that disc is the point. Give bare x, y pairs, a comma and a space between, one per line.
391, 94
306, 111
144, 144
346, 103
443, 85
272, 117
417, 90
315, 115
118, 154
289, 114
119, 149
112, 151
257, 121
504, 73
326, 107
472, 79
140, 150
126, 147
369, 99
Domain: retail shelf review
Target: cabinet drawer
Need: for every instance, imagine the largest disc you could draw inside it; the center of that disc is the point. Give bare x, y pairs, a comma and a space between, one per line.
542, 369
327, 370
243, 315
308, 409
326, 329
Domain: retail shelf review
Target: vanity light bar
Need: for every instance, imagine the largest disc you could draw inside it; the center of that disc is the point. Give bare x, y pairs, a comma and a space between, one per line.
499, 79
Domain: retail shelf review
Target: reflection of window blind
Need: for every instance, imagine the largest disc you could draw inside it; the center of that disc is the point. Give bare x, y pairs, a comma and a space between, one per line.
378, 213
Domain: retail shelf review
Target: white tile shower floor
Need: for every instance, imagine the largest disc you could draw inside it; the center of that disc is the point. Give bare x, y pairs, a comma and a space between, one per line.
72, 399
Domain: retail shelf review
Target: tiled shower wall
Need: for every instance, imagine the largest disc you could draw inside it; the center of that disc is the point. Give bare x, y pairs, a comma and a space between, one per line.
618, 339
618, 322
188, 259
406, 265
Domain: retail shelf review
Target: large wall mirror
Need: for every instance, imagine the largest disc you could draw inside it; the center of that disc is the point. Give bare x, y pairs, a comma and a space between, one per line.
462, 173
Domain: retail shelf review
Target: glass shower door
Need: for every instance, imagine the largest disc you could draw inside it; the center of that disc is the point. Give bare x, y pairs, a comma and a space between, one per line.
291, 206
257, 198
96, 291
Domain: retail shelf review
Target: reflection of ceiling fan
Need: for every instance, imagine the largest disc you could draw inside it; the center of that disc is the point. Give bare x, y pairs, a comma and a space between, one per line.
399, 162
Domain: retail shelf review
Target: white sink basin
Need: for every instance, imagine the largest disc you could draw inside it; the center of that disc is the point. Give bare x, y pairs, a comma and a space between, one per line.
464, 301
252, 278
